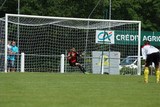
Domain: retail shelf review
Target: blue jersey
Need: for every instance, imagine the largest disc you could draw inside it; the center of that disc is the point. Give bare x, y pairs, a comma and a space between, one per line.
15, 50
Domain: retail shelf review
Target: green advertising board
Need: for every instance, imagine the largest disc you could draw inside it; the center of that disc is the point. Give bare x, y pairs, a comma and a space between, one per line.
126, 37
131, 37
153, 37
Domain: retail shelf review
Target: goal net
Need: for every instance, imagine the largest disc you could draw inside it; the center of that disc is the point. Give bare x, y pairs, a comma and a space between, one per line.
43, 39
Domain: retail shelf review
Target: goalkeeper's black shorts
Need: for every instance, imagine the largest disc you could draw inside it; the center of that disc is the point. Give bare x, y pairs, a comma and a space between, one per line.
154, 57
72, 63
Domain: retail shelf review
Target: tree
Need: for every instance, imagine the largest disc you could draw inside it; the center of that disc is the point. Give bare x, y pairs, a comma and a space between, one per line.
147, 11
10, 6
150, 14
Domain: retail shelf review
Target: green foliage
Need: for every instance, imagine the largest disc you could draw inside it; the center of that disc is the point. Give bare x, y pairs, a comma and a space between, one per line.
10, 6
128, 71
147, 11
151, 14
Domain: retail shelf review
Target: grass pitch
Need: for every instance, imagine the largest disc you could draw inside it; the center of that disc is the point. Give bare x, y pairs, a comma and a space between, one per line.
77, 90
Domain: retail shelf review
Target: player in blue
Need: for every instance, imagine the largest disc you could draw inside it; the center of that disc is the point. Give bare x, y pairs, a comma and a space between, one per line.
12, 56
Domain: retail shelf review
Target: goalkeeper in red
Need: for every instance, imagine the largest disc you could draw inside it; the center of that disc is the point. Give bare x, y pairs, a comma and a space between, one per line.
151, 54
72, 58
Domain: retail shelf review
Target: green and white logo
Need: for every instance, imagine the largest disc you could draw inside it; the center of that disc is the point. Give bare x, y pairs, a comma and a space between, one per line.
104, 37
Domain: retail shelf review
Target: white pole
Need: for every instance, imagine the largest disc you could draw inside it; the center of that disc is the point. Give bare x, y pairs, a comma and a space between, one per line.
110, 15
110, 9
18, 7
6, 42
18, 34
102, 68
22, 62
62, 63
139, 49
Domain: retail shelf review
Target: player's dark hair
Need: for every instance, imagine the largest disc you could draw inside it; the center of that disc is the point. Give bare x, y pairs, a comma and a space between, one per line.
146, 42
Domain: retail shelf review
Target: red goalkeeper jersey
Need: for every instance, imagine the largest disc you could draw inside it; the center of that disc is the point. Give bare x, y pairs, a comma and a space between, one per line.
72, 57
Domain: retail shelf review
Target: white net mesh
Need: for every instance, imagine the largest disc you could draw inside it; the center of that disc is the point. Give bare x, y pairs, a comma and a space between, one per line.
44, 39
2, 38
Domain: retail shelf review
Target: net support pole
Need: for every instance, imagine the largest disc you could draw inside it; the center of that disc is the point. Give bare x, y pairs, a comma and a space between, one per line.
102, 65
62, 64
6, 42
22, 62
139, 45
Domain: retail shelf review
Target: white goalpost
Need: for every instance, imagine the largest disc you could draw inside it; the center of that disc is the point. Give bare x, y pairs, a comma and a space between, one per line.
44, 42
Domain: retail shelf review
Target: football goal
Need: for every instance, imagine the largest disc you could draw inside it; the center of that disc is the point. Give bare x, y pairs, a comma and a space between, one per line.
45, 41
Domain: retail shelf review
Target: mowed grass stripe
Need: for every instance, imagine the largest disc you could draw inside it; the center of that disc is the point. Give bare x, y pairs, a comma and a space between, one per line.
76, 90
